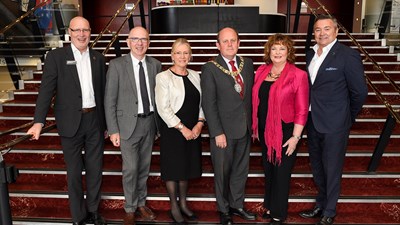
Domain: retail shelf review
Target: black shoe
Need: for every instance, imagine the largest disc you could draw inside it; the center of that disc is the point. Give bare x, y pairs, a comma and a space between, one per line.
95, 218
275, 222
173, 218
266, 216
192, 217
325, 220
79, 223
315, 213
242, 213
83, 222
225, 218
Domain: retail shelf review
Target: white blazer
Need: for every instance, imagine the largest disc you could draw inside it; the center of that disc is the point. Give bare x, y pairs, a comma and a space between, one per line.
170, 94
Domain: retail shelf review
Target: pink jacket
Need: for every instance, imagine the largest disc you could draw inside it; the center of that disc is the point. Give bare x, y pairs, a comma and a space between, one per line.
292, 98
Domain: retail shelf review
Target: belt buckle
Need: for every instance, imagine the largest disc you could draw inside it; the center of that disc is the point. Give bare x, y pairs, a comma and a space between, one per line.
87, 110
142, 115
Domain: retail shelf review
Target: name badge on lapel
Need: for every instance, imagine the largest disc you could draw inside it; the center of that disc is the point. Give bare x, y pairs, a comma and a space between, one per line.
71, 62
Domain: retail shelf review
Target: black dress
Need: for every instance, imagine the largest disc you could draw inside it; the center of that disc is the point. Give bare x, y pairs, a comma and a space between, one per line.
181, 159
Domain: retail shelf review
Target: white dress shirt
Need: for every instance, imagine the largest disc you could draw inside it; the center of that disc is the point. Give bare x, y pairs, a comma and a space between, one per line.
135, 63
318, 59
85, 76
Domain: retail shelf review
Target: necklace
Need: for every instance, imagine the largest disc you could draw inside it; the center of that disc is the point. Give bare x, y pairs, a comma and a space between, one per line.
273, 76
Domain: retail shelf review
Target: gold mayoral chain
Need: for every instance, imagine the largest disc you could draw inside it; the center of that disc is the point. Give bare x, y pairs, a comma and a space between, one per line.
233, 74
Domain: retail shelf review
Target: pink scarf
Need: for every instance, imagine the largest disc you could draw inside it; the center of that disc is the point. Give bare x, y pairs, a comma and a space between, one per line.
273, 131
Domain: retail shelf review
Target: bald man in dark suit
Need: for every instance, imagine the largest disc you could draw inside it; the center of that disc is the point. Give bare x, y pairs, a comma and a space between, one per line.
76, 76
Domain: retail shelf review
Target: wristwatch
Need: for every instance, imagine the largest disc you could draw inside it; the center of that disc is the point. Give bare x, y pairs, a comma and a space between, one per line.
297, 137
180, 126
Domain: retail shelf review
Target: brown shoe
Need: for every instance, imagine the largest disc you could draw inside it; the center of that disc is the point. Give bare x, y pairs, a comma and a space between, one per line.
145, 213
129, 219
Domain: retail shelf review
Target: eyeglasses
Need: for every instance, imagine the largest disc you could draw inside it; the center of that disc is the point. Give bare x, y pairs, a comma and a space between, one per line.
136, 39
182, 53
80, 30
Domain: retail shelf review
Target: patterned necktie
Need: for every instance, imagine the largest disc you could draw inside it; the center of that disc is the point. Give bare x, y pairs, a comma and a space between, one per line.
143, 90
237, 77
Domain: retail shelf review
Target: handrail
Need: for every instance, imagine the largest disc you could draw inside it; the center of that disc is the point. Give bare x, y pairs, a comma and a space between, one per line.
6, 28
14, 129
108, 24
10, 144
120, 28
394, 112
378, 23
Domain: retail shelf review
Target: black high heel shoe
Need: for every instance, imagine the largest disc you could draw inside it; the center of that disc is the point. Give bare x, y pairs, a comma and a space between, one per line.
183, 222
192, 217
266, 216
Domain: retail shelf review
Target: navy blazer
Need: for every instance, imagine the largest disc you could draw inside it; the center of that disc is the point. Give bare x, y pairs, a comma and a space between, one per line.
339, 89
60, 78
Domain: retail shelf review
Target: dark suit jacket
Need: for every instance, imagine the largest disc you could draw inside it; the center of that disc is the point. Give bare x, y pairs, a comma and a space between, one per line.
121, 101
339, 89
225, 112
60, 77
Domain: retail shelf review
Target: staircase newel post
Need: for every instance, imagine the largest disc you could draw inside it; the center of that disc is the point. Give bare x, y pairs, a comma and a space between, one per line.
382, 143
5, 212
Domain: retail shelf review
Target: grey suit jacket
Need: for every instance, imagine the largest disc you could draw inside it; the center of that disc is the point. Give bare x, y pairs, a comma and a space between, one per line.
121, 101
225, 111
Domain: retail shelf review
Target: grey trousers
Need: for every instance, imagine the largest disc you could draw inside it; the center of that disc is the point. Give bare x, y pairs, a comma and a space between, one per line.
231, 168
136, 159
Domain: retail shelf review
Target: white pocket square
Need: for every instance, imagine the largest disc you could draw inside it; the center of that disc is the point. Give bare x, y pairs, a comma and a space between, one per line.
330, 69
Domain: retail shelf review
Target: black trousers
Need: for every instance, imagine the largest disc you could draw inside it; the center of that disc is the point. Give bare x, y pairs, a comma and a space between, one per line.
89, 138
277, 177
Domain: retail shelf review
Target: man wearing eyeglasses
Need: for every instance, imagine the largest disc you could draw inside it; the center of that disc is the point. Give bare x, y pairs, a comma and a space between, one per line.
75, 75
131, 119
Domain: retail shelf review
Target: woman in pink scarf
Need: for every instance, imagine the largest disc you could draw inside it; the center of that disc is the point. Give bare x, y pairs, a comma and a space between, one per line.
280, 108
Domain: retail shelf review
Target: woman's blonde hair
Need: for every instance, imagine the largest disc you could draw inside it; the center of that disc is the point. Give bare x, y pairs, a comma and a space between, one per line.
181, 41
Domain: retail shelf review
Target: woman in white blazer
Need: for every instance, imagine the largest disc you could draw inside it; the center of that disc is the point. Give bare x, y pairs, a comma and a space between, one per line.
178, 102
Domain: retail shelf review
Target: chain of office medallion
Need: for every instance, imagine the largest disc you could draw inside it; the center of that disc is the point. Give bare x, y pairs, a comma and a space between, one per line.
231, 73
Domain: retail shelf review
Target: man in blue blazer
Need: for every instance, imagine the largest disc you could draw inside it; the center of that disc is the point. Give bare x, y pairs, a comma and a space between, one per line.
75, 75
337, 93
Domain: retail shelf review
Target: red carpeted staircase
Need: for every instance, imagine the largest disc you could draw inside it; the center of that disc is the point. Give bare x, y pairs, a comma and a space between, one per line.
40, 194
